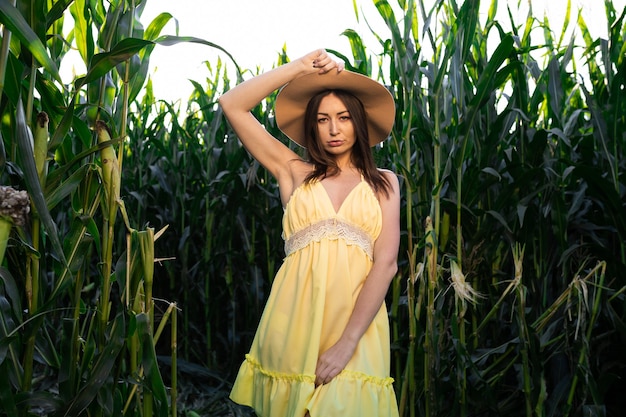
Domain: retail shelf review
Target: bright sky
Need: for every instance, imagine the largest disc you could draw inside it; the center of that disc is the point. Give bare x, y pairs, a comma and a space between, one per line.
254, 31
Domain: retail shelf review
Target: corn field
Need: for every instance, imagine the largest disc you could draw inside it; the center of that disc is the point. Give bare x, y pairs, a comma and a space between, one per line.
138, 239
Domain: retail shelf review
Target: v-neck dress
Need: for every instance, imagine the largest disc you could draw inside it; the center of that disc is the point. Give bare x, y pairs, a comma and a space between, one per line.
328, 256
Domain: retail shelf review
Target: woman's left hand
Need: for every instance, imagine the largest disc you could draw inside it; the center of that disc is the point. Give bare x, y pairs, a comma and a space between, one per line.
333, 361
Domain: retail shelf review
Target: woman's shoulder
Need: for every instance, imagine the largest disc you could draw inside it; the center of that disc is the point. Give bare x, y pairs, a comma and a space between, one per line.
393, 182
389, 175
386, 172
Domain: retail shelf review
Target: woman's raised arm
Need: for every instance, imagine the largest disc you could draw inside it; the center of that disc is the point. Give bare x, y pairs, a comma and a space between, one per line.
238, 102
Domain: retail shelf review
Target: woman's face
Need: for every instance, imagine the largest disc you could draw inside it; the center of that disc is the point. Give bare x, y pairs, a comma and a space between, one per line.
335, 128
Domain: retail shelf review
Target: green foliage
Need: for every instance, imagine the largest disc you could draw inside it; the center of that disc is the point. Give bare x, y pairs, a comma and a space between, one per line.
78, 313
510, 146
503, 153
223, 214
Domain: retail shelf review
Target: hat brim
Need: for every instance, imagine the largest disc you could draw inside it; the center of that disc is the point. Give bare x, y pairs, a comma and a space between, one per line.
293, 98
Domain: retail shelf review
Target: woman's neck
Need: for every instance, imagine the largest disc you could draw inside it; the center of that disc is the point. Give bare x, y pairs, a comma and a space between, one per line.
345, 163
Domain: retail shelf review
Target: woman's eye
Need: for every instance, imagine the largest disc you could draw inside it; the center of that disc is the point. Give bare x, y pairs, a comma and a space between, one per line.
322, 120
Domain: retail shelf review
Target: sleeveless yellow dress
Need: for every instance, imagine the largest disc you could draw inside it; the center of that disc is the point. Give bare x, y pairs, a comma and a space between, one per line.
328, 257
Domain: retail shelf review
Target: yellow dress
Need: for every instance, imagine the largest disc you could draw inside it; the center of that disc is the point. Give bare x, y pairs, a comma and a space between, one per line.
328, 257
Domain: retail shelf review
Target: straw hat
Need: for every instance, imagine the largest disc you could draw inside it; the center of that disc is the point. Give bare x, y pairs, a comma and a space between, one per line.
293, 98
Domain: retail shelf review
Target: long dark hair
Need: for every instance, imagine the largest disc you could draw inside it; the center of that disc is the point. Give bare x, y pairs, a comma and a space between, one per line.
324, 164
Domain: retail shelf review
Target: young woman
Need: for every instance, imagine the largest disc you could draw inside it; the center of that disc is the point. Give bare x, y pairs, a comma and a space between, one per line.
322, 345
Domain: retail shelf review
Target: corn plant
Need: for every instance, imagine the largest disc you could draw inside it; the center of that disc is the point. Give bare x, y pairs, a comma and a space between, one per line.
504, 246
510, 146
497, 151
78, 307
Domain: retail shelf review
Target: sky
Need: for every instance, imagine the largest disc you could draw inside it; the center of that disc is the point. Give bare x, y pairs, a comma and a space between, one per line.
254, 31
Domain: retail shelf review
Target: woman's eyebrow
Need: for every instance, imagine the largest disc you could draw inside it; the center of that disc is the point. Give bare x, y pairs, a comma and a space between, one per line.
326, 114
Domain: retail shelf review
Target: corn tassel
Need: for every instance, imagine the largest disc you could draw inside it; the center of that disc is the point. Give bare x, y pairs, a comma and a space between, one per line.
463, 292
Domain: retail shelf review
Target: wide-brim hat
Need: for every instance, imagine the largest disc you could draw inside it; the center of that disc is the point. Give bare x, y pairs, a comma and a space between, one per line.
293, 98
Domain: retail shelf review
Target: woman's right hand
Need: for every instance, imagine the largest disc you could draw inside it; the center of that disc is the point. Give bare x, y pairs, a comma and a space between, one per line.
320, 61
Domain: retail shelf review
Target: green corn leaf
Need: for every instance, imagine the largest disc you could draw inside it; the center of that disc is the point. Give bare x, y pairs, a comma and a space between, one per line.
490, 78
3, 154
124, 50
104, 62
153, 379
358, 52
386, 12
100, 374
528, 27
356, 10
13, 78
7, 326
156, 26
610, 13
582, 25
14, 21
67, 187
412, 24
617, 38
602, 134
168, 40
82, 30
444, 62
152, 33
493, 9
56, 11
7, 396
500, 219
11, 291
63, 127
566, 23
466, 23
51, 97
555, 89
38, 400
69, 358
139, 73
47, 351
80, 238
547, 34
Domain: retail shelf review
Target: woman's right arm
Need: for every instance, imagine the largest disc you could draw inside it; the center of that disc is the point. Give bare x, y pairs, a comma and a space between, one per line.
238, 102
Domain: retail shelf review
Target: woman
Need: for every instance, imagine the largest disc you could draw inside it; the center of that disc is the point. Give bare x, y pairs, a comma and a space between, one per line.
322, 345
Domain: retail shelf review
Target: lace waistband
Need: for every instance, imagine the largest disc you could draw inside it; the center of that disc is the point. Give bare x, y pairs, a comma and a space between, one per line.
330, 229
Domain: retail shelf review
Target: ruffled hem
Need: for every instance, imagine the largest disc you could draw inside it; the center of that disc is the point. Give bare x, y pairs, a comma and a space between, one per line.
274, 394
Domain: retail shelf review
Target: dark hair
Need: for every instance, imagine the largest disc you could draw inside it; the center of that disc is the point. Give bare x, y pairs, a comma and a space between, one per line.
324, 164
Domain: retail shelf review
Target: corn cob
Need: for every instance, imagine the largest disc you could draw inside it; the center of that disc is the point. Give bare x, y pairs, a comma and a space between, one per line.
110, 171
431, 250
41, 146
